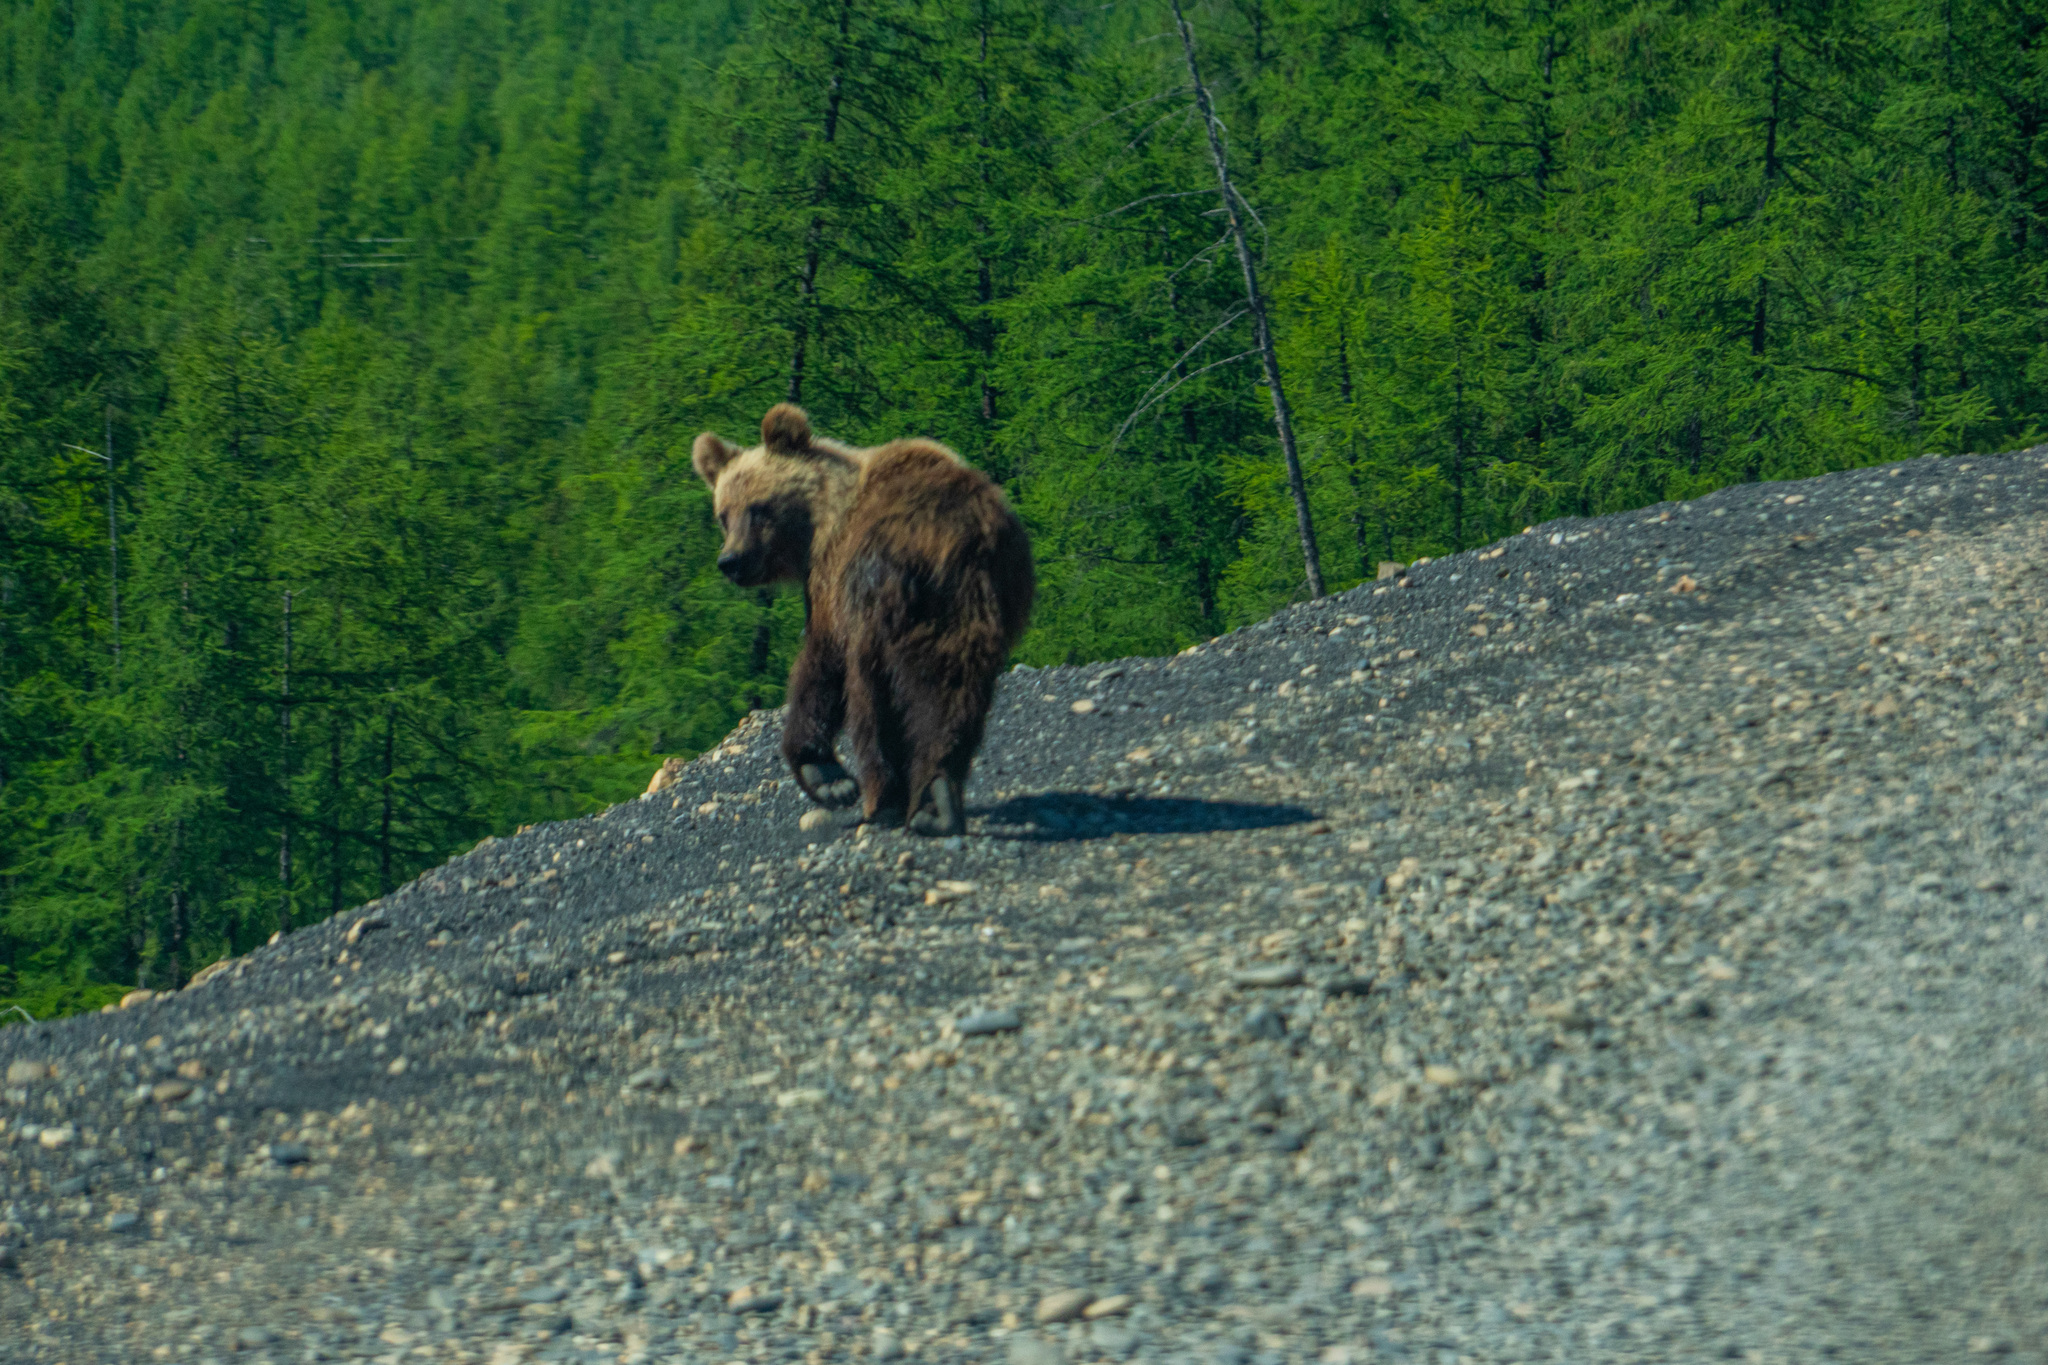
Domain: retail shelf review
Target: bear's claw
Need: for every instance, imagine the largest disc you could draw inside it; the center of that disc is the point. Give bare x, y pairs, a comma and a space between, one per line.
942, 813
829, 785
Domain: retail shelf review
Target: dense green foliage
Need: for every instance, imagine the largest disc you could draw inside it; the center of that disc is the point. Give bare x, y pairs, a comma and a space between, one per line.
399, 318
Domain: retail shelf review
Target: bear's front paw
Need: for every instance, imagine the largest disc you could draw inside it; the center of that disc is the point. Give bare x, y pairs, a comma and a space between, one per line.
943, 812
829, 785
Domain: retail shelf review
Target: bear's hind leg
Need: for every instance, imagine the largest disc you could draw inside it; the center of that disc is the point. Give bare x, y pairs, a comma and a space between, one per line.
817, 710
944, 810
876, 732
945, 720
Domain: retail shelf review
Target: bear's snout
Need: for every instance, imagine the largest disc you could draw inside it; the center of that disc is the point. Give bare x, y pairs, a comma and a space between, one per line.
734, 565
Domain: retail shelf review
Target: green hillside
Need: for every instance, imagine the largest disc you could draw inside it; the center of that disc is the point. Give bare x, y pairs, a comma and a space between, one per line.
398, 319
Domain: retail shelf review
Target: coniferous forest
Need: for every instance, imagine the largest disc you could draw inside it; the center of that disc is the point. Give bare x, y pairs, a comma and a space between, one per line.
351, 351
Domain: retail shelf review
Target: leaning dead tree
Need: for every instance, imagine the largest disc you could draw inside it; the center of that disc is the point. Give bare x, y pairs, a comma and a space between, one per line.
1234, 208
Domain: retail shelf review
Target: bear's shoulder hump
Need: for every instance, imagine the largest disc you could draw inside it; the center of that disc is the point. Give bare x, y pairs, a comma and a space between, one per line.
914, 459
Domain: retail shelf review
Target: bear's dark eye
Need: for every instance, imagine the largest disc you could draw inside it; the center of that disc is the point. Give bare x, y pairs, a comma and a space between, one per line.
759, 509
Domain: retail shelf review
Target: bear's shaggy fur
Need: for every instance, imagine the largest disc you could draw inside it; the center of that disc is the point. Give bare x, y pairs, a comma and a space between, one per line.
917, 581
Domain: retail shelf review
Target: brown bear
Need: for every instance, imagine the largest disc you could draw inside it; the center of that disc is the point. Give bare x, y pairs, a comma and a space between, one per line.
917, 581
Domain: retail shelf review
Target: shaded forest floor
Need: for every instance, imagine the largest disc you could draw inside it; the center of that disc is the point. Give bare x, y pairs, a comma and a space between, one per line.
1621, 944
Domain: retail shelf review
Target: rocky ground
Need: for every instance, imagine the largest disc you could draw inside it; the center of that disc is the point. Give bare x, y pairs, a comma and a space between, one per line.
1619, 943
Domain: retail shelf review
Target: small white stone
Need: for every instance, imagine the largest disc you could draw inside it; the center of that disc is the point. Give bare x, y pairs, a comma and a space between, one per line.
945, 891
1064, 1305
1286, 974
988, 1021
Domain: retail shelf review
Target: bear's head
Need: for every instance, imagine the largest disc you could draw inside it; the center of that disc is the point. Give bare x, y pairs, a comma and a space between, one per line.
774, 500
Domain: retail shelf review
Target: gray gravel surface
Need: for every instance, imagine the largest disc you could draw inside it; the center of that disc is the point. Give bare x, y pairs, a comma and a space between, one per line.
1620, 943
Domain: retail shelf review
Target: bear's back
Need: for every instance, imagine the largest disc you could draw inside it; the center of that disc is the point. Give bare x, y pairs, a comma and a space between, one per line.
920, 490
926, 524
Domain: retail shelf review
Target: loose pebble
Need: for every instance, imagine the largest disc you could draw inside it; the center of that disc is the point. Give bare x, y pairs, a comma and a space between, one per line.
1259, 978
648, 1078
1265, 1022
1063, 1304
988, 1021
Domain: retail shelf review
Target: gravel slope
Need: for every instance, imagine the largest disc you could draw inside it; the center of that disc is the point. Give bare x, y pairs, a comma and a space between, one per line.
1623, 943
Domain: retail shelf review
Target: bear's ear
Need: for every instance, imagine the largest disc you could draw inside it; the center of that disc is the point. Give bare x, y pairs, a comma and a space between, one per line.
711, 455
786, 430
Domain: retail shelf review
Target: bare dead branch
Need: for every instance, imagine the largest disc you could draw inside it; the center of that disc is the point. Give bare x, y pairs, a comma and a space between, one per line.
1170, 194
1161, 396
1255, 304
1183, 357
1198, 258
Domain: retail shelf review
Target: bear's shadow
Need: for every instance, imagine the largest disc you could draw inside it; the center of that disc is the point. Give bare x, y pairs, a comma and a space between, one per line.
1058, 817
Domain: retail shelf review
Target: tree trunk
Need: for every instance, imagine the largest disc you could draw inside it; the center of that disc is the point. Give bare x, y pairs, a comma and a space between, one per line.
176, 974
757, 660
384, 882
984, 282
284, 725
807, 281
1539, 273
1763, 283
113, 550
334, 877
1948, 63
1255, 304
1358, 531
1458, 469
